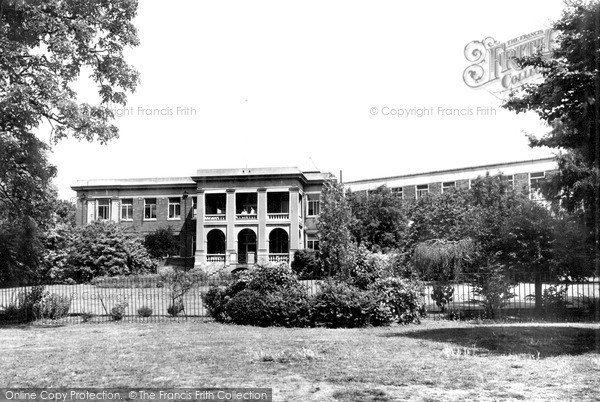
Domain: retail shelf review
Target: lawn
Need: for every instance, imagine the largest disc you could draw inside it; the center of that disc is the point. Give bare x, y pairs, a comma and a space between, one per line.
433, 361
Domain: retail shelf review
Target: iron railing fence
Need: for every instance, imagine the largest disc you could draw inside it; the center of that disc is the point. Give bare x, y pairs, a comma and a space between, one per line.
522, 295
466, 296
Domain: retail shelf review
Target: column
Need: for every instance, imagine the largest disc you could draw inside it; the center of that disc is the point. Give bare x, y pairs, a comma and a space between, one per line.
231, 253
200, 242
294, 224
91, 211
263, 251
115, 205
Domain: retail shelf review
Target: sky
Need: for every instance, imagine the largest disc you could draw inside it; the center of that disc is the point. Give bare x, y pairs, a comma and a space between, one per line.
312, 84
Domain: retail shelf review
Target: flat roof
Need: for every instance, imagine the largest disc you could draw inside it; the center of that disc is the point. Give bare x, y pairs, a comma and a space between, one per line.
150, 181
454, 170
200, 174
247, 172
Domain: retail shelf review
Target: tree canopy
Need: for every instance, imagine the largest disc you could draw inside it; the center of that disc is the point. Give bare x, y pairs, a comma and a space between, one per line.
44, 48
568, 100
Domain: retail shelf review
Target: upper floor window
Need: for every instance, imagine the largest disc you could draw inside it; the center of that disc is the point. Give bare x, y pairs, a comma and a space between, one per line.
510, 181
127, 209
398, 192
103, 209
150, 208
535, 181
448, 185
195, 206
314, 204
215, 204
422, 190
312, 243
175, 208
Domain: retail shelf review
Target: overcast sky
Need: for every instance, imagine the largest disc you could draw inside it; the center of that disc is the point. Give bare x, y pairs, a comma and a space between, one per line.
282, 83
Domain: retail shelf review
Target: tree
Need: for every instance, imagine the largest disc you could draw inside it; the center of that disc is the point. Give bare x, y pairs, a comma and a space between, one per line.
103, 248
568, 99
440, 261
44, 46
379, 220
437, 216
335, 220
64, 212
161, 243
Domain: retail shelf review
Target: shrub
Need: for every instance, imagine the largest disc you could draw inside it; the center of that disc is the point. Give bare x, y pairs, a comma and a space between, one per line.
279, 308
307, 264
338, 304
265, 295
270, 278
215, 300
118, 312
103, 248
178, 284
144, 311
161, 243
87, 316
27, 300
370, 267
52, 306
443, 294
495, 289
175, 308
247, 308
403, 297
36, 303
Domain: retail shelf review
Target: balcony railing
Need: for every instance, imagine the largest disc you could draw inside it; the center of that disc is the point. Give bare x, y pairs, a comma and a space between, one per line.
214, 217
279, 257
246, 217
278, 217
215, 258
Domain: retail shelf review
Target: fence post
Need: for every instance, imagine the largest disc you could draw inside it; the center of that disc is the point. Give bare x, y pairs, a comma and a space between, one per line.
538, 292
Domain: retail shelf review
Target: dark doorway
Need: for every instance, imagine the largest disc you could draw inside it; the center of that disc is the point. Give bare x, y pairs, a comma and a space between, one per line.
246, 245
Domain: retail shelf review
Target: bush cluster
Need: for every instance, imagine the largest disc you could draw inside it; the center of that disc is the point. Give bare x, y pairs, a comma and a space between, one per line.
37, 303
272, 295
102, 248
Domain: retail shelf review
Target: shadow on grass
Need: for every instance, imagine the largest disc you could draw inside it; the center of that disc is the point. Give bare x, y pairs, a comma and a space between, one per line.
536, 341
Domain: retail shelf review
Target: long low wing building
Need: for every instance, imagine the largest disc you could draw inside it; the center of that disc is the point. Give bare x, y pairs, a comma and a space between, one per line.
522, 176
237, 217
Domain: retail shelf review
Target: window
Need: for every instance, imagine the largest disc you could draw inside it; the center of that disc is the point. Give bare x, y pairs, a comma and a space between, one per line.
150, 208
215, 204
174, 208
422, 190
535, 181
312, 243
448, 185
398, 192
127, 209
195, 206
314, 204
247, 204
510, 181
103, 209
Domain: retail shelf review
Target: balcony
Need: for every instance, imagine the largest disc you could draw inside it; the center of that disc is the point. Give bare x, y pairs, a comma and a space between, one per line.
279, 257
278, 206
246, 217
215, 258
214, 217
278, 217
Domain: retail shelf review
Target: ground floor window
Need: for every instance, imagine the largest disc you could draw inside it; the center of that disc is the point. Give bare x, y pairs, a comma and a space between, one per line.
150, 208
127, 209
103, 209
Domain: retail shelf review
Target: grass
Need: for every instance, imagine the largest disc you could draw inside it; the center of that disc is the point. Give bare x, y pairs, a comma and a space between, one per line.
448, 361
